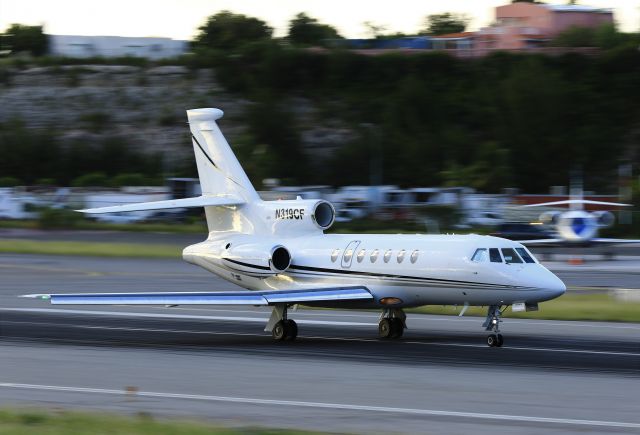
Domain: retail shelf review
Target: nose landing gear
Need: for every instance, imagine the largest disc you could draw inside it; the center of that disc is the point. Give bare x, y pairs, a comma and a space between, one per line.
392, 323
492, 323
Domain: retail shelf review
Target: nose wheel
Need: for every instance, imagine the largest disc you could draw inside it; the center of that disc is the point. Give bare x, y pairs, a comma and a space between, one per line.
495, 340
492, 323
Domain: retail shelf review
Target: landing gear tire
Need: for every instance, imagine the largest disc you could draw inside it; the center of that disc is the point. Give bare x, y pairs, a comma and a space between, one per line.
492, 340
279, 331
397, 328
291, 330
285, 330
385, 328
500, 340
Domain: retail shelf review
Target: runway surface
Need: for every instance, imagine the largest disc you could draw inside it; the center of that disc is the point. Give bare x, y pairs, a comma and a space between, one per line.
562, 377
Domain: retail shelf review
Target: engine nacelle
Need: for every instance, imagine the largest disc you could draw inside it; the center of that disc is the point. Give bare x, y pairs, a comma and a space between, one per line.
301, 215
550, 217
604, 218
256, 258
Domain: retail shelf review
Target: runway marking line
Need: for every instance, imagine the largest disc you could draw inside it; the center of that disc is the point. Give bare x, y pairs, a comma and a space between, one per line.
364, 340
335, 406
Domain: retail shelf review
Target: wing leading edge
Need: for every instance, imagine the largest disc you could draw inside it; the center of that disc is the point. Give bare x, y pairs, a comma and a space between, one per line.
211, 298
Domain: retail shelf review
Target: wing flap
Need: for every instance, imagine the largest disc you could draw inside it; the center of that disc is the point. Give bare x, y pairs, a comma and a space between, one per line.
210, 298
200, 201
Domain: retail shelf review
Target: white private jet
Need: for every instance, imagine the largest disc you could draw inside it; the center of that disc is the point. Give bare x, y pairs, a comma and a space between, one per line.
577, 226
278, 250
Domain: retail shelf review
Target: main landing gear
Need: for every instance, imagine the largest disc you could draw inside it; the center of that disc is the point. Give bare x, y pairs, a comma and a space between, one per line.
281, 328
392, 323
492, 323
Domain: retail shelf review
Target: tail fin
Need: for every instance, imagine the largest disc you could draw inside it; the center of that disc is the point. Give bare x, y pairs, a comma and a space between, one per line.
218, 168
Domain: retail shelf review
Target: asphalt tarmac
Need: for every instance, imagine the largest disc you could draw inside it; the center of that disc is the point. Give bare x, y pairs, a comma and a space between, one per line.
218, 364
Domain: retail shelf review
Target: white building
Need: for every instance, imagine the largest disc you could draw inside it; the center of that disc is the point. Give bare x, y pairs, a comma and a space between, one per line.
115, 46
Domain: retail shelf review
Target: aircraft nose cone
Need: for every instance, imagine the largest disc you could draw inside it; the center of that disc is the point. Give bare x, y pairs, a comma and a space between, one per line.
558, 288
552, 287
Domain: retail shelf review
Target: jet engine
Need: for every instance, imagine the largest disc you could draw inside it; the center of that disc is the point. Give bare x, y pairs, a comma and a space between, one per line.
257, 258
550, 217
604, 218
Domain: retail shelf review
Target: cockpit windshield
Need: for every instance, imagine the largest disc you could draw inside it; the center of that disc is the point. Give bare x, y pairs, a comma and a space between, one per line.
528, 258
510, 255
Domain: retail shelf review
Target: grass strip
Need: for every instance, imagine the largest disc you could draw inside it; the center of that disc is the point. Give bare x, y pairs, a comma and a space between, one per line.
570, 306
20, 422
100, 249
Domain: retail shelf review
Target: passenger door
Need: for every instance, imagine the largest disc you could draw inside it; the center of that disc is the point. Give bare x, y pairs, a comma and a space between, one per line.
349, 253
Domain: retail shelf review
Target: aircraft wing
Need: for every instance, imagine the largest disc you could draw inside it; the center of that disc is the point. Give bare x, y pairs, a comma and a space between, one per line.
200, 201
577, 201
542, 242
210, 298
561, 242
613, 241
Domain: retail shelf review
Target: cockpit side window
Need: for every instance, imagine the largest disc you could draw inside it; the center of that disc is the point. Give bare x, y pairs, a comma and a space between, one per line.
480, 255
494, 255
528, 258
510, 256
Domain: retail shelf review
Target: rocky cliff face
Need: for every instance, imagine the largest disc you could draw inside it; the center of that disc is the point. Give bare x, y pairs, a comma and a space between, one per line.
145, 105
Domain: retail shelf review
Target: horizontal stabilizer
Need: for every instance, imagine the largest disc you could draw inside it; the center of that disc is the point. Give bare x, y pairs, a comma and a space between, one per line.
200, 201
210, 298
577, 201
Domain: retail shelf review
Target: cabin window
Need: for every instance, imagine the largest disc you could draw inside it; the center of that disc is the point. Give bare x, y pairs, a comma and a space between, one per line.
334, 255
528, 258
414, 256
374, 255
510, 256
387, 255
401, 256
494, 255
480, 255
347, 255
360, 255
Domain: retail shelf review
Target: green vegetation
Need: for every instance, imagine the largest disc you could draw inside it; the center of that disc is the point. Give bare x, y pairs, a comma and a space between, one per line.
447, 22
425, 119
226, 31
307, 31
33, 154
19, 422
195, 226
19, 38
18, 246
570, 306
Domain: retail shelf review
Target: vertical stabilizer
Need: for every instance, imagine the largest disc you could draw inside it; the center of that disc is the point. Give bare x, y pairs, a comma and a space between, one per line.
218, 168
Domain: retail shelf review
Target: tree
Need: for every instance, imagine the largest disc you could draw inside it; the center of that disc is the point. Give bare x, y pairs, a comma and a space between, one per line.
226, 31
31, 39
304, 30
447, 22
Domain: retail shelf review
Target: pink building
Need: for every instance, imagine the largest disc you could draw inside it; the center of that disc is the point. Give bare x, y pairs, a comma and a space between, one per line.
524, 25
